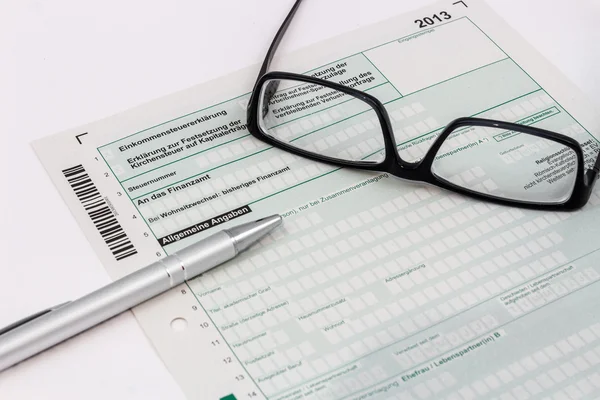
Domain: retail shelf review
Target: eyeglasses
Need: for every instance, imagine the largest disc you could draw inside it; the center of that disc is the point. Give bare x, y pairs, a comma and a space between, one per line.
329, 122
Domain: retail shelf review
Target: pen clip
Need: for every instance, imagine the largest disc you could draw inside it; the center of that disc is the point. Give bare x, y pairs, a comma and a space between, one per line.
30, 318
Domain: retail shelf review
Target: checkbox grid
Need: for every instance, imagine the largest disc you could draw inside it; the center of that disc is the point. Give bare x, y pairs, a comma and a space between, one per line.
550, 370
353, 258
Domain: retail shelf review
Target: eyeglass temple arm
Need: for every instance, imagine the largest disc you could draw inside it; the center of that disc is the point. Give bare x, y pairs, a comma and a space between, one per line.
277, 39
594, 172
272, 86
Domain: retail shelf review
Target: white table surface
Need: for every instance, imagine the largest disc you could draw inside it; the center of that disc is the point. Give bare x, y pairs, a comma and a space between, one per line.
65, 63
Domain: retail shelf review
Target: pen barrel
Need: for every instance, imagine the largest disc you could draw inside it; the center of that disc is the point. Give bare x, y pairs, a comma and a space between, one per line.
111, 300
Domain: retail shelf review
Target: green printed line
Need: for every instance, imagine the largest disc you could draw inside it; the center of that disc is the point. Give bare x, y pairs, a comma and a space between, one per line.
488, 333
490, 39
296, 185
204, 172
491, 298
546, 117
249, 93
530, 77
376, 86
241, 137
374, 66
327, 108
175, 119
380, 45
506, 102
337, 122
332, 62
398, 145
522, 120
183, 158
442, 127
361, 53
481, 112
330, 125
250, 155
458, 76
560, 105
414, 33
408, 141
541, 119
308, 83
511, 134
464, 311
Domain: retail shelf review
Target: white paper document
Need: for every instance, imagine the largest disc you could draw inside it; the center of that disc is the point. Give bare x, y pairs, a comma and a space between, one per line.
375, 287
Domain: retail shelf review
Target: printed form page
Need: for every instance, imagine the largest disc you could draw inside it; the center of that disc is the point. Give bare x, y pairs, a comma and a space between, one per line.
375, 288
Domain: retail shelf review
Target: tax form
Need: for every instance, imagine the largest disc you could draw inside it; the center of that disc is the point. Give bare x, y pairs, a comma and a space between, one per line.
375, 288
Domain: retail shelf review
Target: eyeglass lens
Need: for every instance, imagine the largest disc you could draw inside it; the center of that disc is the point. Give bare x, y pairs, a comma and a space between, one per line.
320, 120
485, 160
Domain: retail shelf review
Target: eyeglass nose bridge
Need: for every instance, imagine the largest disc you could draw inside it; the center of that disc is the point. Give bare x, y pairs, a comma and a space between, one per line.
412, 171
393, 161
419, 169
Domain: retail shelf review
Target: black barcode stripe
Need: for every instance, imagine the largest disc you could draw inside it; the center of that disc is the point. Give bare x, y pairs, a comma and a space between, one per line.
94, 204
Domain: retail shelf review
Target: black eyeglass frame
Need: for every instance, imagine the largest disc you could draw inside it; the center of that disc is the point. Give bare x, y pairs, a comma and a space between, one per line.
422, 169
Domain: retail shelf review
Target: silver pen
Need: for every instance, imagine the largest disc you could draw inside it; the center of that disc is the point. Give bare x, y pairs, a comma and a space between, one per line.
43, 330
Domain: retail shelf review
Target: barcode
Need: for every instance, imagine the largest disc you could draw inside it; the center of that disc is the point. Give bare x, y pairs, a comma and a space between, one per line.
109, 228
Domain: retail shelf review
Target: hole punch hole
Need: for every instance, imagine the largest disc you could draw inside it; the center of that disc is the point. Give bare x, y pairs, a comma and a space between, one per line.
179, 324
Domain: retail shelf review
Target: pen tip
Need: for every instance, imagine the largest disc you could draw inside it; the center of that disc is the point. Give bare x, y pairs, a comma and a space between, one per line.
245, 235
